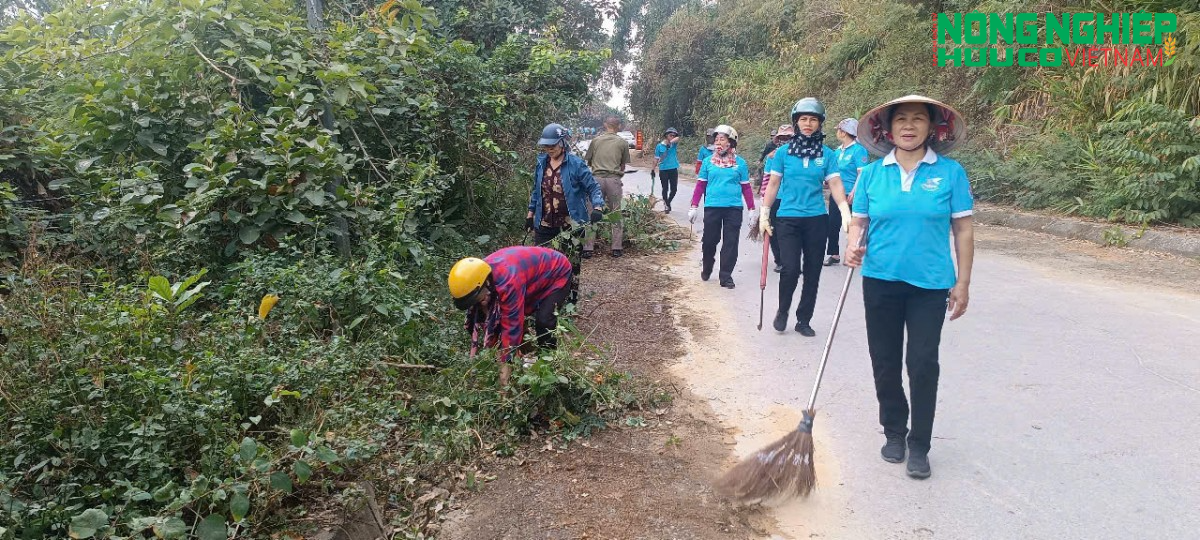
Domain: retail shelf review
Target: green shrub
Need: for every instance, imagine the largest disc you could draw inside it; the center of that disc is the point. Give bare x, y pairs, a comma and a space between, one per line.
136, 403
1146, 166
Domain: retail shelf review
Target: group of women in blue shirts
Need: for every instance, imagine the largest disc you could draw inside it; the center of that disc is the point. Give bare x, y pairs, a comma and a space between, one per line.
903, 213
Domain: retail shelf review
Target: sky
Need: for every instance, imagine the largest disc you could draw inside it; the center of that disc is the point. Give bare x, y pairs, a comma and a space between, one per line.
616, 97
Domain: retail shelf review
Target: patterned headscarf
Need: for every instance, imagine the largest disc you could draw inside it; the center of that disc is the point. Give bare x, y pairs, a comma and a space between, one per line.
729, 159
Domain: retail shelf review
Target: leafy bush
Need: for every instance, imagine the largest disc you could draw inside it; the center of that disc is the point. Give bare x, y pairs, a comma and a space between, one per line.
1146, 166
1043, 173
133, 402
342, 171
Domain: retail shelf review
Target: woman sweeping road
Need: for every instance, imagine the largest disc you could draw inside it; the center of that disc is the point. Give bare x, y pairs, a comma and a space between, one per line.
798, 172
909, 203
724, 183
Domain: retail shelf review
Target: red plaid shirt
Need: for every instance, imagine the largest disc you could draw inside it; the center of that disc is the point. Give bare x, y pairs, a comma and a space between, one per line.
523, 277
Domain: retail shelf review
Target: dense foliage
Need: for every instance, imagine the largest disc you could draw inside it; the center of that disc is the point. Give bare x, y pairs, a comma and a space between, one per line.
1110, 142
168, 165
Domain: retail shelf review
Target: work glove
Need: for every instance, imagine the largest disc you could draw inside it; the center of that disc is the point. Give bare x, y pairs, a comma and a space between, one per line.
529, 223
845, 210
754, 215
764, 223
692, 214
597, 215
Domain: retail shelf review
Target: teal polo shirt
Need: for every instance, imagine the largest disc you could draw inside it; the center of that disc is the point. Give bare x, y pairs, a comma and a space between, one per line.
908, 238
801, 182
850, 160
724, 187
670, 160
703, 153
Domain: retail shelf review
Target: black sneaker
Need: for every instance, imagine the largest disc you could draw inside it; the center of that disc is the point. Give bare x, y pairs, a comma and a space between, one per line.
781, 321
705, 275
587, 254
666, 209
728, 284
805, 330
893, 450
617, 253
918, 465
832, 260
778, 268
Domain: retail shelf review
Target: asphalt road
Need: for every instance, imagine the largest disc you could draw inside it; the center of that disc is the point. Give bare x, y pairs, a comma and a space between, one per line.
1067, 408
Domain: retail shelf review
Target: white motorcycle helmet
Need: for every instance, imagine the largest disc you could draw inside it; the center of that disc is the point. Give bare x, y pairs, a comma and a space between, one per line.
728, 131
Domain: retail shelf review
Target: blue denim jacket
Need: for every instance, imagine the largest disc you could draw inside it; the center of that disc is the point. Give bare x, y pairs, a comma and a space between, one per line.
578, 185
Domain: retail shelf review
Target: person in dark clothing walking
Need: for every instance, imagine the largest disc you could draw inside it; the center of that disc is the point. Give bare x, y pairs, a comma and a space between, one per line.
797, 173
724, 184
908, 204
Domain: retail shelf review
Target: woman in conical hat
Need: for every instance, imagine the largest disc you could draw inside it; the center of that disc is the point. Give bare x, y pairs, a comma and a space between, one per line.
909, 204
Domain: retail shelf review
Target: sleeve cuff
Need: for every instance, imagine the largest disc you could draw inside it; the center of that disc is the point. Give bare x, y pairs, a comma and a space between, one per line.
962, 214
858, 214
828, 176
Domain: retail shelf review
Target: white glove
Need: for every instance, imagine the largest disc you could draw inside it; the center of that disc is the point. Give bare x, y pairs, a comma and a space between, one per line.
692, 215
845, 210
754, 215
764, 223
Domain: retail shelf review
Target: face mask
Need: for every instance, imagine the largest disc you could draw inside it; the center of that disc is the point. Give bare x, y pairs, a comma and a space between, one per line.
807, 146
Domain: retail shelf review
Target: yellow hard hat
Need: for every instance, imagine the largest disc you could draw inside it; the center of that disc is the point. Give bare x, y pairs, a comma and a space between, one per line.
466, 281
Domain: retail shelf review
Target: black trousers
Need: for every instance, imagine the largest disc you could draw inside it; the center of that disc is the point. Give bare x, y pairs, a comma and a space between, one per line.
670, 184
835, 227
545, 317
572, 247
894, 308
775, 237
721, 225
802, 245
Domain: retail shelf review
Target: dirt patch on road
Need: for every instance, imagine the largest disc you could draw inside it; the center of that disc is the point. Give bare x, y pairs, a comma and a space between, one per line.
1078, 259
648, 476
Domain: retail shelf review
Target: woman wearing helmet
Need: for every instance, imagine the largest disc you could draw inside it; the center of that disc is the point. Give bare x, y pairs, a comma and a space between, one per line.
851, 158
562, 188
909, 203
798, 172
724, 183
706, 150
666, 159
500, 290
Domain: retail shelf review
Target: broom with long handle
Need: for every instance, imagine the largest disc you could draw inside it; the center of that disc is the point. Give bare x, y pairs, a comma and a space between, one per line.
785, 468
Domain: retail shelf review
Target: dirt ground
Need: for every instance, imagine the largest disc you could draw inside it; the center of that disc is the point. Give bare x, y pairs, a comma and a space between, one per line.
625, 482
1080, 260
